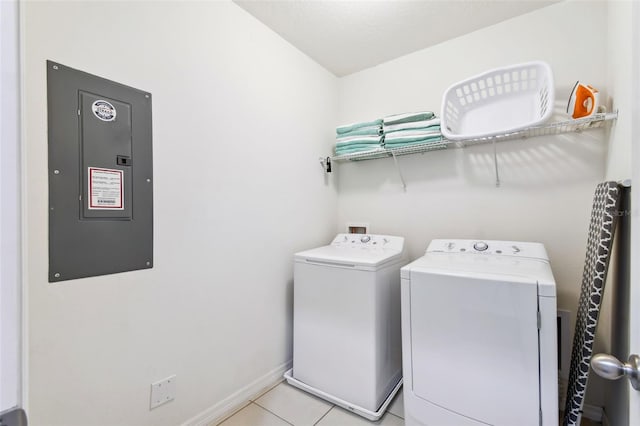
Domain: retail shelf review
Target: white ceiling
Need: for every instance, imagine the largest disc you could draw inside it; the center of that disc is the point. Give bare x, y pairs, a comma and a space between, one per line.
346, 36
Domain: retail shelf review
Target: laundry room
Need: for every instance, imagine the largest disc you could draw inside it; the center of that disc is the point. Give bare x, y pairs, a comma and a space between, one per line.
239, 106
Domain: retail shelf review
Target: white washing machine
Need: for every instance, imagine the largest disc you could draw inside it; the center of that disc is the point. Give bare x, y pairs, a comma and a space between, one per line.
346, 322
479, 335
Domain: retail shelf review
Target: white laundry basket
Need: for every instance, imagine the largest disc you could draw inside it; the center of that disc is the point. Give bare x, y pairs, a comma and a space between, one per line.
499, 101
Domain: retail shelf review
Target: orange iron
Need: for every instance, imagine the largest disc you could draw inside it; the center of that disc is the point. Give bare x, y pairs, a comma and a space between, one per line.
584, 101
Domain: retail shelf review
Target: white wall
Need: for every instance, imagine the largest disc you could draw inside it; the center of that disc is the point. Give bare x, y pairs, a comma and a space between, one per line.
239, 120
634, 317
615, 316
9, 208
618, 61
547, 183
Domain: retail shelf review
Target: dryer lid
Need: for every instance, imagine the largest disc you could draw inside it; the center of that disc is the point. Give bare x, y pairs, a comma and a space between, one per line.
353, 250
490, 247
499, 260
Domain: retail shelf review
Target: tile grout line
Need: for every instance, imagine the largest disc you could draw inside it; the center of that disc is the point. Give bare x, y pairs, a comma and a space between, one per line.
266, 391
224, 419
394, 415
269, 411
325, 414
251, 401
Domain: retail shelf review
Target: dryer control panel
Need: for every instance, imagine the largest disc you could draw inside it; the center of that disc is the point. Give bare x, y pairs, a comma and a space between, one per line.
493, 247
368, 240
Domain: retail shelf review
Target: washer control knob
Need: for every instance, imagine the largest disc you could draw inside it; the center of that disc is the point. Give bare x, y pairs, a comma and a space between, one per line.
365, 239
481, 246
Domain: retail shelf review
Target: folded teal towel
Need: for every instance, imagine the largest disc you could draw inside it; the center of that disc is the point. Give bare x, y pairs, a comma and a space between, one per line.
358, 145
376, 140
431, 145
358, 151
357, 148
362, 131
432, 131
413, 125
353, 126
411, 140
364, 145
408, 117
420, 142
399, 137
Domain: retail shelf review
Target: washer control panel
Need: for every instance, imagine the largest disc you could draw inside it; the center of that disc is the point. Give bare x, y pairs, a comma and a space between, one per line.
368, 240
480, 246
505, 248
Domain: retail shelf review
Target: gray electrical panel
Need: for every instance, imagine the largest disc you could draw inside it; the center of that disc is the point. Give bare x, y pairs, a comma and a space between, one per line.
100, 175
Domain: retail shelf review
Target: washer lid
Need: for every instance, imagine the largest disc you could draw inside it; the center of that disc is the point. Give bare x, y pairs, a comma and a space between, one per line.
352, 250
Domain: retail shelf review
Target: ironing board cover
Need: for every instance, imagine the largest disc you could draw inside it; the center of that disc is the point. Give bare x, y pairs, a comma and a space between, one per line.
601, 230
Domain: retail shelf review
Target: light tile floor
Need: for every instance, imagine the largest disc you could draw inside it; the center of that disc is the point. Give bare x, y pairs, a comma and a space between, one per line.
285, 405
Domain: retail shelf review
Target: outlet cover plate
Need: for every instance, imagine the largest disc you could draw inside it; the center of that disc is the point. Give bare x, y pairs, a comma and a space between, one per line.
163, 391
358, 228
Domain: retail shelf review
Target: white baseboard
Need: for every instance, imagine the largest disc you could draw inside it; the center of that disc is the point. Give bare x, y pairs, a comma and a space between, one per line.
237, 400
592, 412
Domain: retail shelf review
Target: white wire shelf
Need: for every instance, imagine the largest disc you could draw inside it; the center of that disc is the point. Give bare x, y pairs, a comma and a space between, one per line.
568, 126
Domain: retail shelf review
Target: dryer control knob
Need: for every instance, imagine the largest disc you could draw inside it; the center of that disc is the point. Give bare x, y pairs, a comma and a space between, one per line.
481, 246
365, 239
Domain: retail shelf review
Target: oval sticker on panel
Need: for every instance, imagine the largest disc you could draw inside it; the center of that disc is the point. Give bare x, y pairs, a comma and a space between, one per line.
104, 110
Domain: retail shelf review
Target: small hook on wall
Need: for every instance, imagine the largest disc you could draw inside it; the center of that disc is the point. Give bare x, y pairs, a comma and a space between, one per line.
326, 164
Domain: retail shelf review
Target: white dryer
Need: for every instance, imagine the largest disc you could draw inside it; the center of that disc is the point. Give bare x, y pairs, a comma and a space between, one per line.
346, 322
479, 335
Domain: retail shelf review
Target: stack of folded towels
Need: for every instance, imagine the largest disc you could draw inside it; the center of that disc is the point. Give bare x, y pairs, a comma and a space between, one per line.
411, 129
358, 137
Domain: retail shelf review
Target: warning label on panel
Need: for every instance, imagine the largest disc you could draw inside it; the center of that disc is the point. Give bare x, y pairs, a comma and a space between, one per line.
106, 189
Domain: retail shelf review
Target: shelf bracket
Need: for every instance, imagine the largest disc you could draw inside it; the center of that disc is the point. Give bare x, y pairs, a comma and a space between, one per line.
395, 161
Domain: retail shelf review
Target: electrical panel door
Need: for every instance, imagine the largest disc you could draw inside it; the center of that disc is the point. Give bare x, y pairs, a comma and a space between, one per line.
100, 175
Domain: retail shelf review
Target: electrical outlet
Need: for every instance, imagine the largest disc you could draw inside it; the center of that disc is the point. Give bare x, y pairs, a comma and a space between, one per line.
358, 228
163, 391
